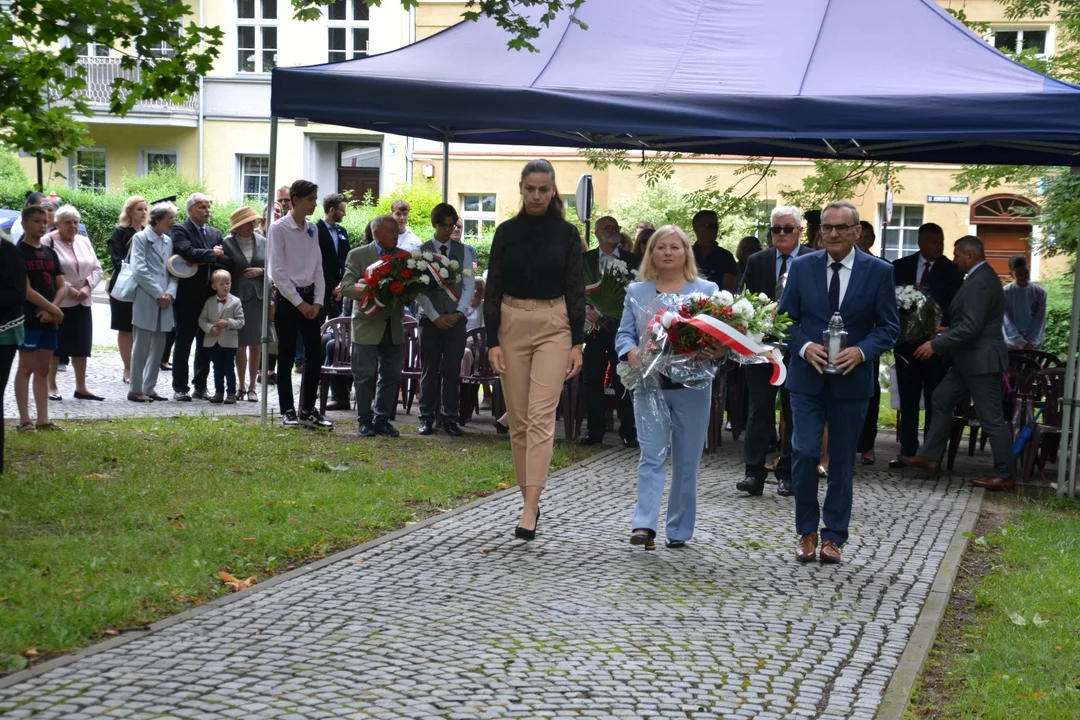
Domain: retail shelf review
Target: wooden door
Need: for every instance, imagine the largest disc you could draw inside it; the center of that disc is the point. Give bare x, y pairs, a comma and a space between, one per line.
359, 180
1002, 242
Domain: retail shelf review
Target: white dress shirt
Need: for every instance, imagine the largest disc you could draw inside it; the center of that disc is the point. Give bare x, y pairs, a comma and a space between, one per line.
408, 241
606, 259
845, 279
294, 259
923, 262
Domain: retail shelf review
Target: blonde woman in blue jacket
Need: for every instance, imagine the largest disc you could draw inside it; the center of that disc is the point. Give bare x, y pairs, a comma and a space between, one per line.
666, 268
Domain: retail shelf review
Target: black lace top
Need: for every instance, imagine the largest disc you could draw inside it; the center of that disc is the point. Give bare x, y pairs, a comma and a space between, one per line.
535, 257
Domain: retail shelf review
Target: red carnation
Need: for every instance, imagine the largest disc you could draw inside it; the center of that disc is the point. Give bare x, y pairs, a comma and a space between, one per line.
406, 273
403, 255
397, 287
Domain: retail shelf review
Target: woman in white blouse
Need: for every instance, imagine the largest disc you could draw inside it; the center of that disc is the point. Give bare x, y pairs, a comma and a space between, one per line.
245, 259
82, 273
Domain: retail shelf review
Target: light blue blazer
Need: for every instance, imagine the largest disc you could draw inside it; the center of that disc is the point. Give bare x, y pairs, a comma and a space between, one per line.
640, 296
149, 257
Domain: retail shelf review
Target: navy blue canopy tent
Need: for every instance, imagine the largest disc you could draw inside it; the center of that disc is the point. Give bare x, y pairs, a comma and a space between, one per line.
860, 79
888, 79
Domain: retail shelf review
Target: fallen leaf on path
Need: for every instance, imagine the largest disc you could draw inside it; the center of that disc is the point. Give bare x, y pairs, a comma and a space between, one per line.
485, 552
111, 633
234, 584
502, 486
32, 653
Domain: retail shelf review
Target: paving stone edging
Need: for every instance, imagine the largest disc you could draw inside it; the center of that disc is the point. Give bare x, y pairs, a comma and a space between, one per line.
898, 694
262, 586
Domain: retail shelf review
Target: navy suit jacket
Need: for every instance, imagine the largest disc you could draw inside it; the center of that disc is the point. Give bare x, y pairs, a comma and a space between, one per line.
333, 256
870, 319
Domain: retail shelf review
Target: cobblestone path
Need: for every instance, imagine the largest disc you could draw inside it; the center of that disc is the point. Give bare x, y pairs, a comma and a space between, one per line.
458, 620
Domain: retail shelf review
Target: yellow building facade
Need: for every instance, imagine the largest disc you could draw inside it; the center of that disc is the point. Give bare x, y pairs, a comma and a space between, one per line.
222, 135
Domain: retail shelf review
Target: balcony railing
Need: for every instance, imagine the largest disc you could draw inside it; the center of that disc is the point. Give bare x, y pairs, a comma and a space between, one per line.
102, 71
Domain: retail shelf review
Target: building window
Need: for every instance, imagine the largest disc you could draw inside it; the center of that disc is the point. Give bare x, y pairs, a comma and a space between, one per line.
902, 234
91, 49
1019, 41
256, 36
254, 177
349, 31
478, 215
153, 159
89, 171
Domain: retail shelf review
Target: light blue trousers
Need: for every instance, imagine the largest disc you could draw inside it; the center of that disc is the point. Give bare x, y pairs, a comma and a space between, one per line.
685, 430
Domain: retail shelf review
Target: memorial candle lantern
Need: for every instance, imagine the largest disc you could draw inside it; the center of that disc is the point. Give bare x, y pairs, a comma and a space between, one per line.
835, 340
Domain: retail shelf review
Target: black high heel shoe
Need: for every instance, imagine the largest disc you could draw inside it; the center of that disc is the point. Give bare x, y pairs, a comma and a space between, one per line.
501, 429
522, 534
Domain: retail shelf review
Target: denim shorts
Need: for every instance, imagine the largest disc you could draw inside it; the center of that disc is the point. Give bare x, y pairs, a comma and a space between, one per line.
39, 340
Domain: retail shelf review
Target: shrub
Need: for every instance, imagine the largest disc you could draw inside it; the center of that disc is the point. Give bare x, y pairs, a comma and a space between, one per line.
1059, 294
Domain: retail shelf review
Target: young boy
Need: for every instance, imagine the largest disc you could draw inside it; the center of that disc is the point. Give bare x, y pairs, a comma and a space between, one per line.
222, 315
45, 290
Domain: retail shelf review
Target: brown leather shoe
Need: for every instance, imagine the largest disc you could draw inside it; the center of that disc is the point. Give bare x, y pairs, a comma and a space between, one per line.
922, 463
830, 551
807, 548
991, 482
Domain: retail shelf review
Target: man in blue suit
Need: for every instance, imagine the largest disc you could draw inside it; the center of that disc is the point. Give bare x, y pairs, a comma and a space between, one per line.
859, 287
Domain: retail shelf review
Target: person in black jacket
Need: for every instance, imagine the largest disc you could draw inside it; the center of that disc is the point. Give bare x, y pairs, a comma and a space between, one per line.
766, 273
931, 270
196, 242
600, 343
132, 220
334, 244
12, 304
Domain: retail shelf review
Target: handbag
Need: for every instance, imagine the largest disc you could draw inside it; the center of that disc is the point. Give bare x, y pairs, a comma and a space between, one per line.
124, 287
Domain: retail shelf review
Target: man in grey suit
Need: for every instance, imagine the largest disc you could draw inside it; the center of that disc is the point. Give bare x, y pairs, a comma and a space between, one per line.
442, 328
376, 339
974, 349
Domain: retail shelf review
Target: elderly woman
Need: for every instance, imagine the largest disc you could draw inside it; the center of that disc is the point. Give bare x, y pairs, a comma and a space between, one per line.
132, 220
82, 273
152, 314
667, 267
245, 258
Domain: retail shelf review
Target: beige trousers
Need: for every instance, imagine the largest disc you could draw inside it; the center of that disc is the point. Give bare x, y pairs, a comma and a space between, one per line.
535, 339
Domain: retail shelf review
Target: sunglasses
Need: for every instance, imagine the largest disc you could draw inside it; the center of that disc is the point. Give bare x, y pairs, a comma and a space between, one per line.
786, 230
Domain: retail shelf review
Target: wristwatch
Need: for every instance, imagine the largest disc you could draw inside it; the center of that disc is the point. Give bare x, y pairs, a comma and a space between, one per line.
579, 346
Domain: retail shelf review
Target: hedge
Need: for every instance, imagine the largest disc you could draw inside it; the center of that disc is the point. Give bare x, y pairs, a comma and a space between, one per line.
1059, 294
101, 210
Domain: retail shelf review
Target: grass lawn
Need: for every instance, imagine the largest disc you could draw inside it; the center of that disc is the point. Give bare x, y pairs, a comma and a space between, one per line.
112, 525
1009, 644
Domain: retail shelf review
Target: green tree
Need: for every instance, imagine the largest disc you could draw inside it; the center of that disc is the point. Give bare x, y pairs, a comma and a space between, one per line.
163, 54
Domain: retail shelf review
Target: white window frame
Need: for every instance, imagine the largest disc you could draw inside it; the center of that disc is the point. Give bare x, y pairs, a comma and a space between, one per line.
1020, 30
349, 24
259, 23
479, 216
240, 175
899, 225
146, 152
73, 169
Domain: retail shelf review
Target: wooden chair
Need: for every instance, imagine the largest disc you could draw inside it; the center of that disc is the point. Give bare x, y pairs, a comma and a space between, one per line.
1046, 392
410, 363
341, 361
482, 374
1045, 360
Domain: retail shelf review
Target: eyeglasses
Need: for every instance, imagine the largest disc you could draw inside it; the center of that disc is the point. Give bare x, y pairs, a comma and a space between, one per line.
787, 229
610, 228
826, 229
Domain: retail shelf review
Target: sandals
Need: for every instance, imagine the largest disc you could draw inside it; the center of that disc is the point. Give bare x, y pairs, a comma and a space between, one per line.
646, 539
49, 427
26, 427
252, 396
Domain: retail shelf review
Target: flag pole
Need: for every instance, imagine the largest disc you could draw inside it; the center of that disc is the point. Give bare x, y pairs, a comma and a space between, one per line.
886, 217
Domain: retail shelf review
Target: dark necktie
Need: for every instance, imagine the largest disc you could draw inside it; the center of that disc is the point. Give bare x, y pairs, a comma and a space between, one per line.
925, 275
783, 266
443, 251
779, 290
202, 235
834, 288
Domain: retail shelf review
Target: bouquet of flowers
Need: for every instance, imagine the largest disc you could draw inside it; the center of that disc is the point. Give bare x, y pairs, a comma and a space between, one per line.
919, 314
689, 335
607, 292
402, 276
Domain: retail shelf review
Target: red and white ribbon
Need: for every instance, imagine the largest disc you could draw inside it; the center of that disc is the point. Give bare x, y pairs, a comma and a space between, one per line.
740, 343
433, 269
370, 303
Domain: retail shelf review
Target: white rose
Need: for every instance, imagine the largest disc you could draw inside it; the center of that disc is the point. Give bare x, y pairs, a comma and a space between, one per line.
428, 256
416, 254
743, 308
411, 263
454, 265
764, 298
724, 298
425, 279
444, 272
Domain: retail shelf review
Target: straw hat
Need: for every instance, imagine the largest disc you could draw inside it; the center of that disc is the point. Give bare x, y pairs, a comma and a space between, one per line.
180, 268
242, 216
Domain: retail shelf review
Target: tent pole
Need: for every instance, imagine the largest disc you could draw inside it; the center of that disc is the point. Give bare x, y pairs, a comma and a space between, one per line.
1070, 426
446, 167
270, 196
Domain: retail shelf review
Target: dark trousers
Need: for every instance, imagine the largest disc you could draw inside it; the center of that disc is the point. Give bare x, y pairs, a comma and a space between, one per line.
7, 356
188, 332
869, 429
985, 392
599, 352
844, 417
289, 323
761, 422
915, 379
383, 359
440, 364
170, 338
224, 361
339, 384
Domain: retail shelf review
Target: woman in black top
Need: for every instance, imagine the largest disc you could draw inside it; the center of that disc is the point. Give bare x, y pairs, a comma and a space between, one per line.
534, 310
12, 300
132, 220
